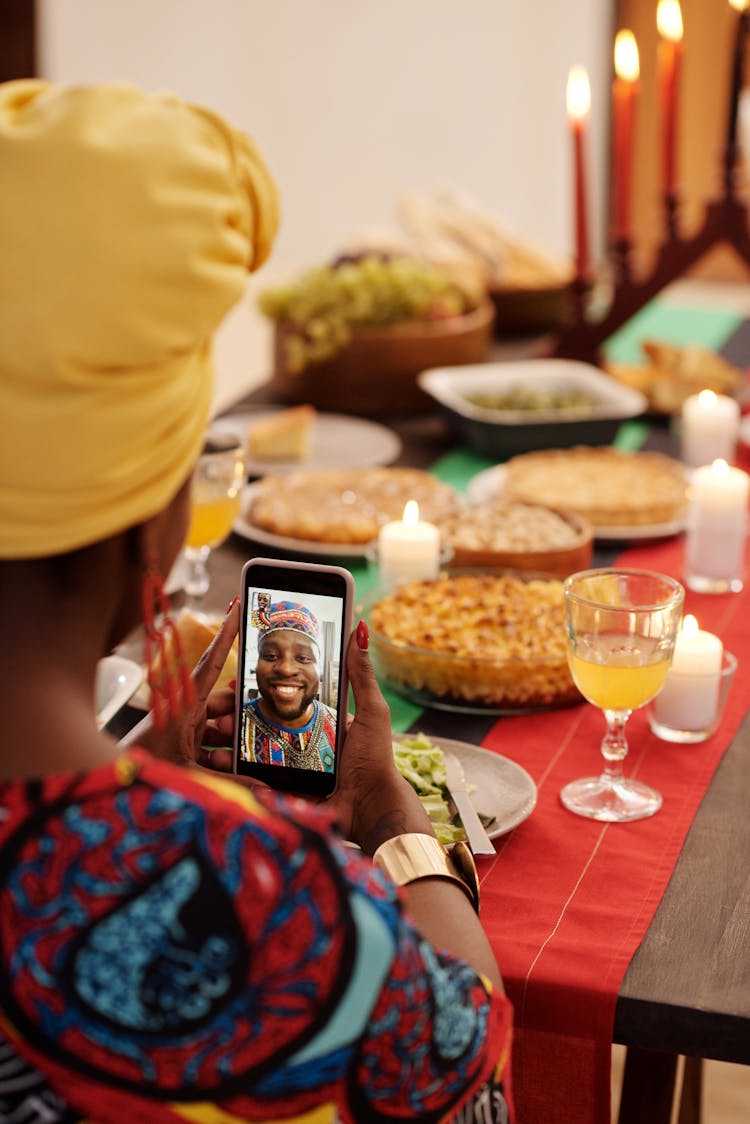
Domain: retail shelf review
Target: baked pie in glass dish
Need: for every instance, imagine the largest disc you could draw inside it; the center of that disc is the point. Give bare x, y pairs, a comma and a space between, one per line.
473, 641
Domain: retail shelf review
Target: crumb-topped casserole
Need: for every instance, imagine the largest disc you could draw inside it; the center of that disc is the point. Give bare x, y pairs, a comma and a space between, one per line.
479, 638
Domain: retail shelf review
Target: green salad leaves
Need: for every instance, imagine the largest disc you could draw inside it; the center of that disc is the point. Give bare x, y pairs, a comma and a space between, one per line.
421, 763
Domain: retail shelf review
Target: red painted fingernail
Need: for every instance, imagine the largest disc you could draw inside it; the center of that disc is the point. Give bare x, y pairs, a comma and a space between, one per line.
232, 604
232, 684
363, 636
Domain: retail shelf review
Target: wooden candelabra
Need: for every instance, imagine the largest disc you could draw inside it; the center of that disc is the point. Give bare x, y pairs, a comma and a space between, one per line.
725, 221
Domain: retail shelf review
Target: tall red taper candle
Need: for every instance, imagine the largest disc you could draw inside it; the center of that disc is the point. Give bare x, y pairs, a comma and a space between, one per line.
738, 66
624, 91
578, 104
669, 24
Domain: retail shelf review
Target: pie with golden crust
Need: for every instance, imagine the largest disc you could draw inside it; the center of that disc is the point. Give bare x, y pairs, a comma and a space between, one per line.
478, 638
608, 487
347, 506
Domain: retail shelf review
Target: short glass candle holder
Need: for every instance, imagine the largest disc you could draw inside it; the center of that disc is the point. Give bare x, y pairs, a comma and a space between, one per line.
708, 583
690, 704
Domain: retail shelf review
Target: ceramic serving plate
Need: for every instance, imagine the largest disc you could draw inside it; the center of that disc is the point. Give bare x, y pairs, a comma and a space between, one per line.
487, 487
501, 791
337, 442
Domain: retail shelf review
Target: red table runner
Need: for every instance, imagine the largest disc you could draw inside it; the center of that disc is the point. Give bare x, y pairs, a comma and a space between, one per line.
567, 900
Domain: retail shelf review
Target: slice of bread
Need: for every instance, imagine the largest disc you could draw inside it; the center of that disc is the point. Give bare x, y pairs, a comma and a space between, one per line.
195, 636
672, 373
285, 436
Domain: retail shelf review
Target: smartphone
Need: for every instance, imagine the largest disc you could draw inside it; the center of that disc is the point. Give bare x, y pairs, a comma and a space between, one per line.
292, 690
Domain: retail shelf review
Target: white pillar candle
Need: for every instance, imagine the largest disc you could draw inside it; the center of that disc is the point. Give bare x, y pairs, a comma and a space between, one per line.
408, 549
710, 428
690, 695
716, 526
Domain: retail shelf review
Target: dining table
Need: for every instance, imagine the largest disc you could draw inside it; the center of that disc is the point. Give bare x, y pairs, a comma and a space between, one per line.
632, 933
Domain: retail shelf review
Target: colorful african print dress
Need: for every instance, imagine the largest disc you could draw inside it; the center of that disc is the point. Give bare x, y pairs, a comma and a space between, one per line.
306, 747
178, 950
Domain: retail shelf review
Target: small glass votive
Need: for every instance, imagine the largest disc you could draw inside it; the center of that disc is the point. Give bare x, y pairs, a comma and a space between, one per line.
690, 704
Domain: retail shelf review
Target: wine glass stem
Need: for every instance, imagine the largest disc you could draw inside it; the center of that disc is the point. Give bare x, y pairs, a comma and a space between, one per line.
614, 743
197, 581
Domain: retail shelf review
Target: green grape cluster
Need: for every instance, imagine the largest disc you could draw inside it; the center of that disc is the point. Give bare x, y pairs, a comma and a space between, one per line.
323, 307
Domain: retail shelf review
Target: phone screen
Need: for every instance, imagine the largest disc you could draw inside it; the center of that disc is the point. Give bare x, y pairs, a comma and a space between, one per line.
292, 690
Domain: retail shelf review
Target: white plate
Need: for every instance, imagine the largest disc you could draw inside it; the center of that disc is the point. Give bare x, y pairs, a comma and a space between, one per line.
488, 485
247, 530
501, 788
117, 680
338, 441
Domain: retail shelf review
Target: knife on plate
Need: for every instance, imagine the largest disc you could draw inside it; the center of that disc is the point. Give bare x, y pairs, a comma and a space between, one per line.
479, 840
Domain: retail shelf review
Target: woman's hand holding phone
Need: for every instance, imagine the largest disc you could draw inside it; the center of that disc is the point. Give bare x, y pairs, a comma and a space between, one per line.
370, 799
208, 722
373, 801
291, 706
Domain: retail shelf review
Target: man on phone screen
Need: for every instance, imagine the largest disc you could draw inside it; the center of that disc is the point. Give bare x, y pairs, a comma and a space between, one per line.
287, 724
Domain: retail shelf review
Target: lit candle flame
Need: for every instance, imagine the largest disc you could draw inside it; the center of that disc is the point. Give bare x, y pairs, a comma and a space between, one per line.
669, 20
707, 397
411, 513
739, 5
578, 93
720, 468
627, 63
689, 625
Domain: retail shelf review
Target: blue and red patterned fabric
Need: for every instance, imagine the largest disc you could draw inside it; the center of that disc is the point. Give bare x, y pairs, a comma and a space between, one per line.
177, 949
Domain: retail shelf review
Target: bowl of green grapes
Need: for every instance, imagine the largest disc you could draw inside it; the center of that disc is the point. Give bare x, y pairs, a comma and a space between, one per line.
354, 335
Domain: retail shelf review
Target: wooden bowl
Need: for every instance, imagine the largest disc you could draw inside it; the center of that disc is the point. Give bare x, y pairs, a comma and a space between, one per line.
482, 522
377, 372
526, 311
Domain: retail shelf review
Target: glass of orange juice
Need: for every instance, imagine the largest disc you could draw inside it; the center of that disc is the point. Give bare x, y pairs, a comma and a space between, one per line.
216, 493
621, 627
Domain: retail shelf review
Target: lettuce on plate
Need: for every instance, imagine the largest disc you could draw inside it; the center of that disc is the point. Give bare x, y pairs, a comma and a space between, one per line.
421, 763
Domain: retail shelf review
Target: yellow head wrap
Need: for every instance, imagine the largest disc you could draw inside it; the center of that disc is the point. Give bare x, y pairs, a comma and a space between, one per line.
128, 224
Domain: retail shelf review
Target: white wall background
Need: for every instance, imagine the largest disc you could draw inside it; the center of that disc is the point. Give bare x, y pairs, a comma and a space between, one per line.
354, 101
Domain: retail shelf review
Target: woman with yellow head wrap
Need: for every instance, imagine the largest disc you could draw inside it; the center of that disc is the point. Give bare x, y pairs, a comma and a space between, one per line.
131, 223
174, 947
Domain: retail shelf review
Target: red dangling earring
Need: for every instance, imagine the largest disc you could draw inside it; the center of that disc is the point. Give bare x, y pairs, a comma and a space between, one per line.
174, 688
